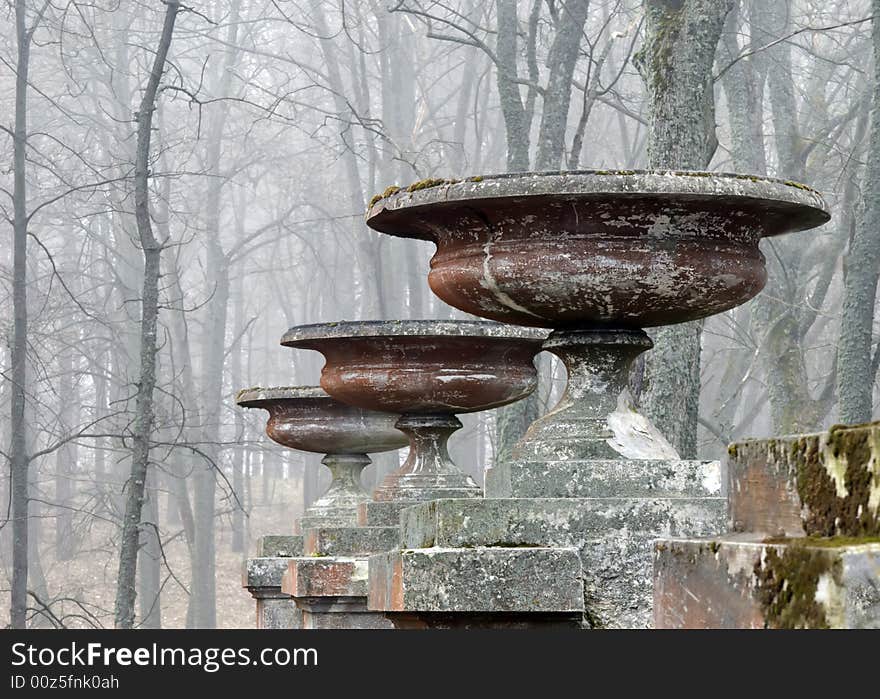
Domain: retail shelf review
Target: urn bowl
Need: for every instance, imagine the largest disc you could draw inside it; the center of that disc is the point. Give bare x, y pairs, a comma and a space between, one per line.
423, 366
308, 419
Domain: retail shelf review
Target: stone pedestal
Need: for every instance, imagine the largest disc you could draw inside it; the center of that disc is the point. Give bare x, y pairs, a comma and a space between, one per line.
591, 477
804, 546
601, 545
262, 577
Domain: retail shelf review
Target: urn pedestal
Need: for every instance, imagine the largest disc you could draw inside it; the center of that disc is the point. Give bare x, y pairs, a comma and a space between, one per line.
427, 371
306, 418
596, 257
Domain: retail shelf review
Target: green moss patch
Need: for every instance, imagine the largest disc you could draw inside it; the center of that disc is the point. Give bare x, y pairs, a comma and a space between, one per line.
786, 585
836, 478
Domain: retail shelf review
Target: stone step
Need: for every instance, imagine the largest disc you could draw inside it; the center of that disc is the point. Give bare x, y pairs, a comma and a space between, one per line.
349, 541
742, 581
262, 577
383, 513
554, 521
824, 484
264, 571
280, 545
477, 580
605, 478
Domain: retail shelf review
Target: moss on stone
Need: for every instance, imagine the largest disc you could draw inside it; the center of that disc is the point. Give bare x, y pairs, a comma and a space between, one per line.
828, 513
428, 184
798, 185
391, 189
786, 585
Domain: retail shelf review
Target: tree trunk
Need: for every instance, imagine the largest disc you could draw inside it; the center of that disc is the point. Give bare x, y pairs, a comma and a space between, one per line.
18, 442
681, 37
561, 58
143, 422
238, 514
856, 374
516, 121
65, 460
150, 559
792, 408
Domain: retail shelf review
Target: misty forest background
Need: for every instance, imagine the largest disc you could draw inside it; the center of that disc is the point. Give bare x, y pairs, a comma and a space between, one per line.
180, 184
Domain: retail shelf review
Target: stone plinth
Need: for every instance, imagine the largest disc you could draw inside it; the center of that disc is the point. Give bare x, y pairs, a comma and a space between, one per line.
592, 476
384, 513
331, 593
611, 535
440, 587
605, 478
804, 551
262, 577
825, 484
349, 541
329, 582
744, 582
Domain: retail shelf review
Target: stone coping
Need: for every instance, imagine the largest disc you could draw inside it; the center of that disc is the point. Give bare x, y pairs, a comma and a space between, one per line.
819, 484
743, 581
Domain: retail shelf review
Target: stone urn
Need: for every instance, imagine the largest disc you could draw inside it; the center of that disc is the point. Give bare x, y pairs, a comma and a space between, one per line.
307, 419
597, 256
428, 371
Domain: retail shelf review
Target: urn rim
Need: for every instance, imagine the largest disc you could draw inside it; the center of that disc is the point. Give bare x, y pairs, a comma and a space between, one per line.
809, 207
355, 329
259, 396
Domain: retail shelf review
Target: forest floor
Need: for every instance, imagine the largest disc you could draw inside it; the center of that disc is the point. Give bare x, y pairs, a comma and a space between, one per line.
87, 583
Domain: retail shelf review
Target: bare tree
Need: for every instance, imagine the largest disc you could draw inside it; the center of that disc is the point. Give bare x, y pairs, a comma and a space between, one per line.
152, 251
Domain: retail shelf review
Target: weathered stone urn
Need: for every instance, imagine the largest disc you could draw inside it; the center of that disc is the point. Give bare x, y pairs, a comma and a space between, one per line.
596, 256
308, 419
428, 371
